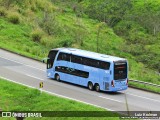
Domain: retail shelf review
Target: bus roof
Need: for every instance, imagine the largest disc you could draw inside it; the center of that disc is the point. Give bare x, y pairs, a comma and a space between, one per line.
89, 54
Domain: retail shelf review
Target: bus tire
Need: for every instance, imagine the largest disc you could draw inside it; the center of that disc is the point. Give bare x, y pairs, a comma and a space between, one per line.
90, 86
97, 87
57, 77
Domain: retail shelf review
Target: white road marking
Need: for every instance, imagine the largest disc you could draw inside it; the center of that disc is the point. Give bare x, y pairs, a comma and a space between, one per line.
99, 96
34, 67
34, 77
23, 64
57, 94
77, 100
16, 82
110, 99
143, 97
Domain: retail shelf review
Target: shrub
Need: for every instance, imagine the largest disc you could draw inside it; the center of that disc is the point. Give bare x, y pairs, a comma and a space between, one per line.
14, 18
66, 43
26, 48
36, 35
2, 11
45, 5
50, 24
47, 41
36, 51
43, 41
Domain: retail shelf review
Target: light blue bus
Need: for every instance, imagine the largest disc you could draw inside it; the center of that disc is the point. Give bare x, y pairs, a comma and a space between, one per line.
96, 71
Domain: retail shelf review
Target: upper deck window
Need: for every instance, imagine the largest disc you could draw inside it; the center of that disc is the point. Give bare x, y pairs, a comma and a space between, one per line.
84, 61
64, 56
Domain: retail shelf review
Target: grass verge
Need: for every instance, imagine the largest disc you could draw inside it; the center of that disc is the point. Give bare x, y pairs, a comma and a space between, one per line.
145, 87
16, 97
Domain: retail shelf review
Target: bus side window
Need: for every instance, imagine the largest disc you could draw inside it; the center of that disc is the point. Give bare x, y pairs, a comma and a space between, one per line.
90, 62
73, 58
68, 57
104, 65
60, 56
85, 61
64, 56
94, 63
76, 59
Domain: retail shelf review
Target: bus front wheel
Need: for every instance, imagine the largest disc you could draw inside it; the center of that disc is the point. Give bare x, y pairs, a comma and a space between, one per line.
97, 87
57, 77
90, 86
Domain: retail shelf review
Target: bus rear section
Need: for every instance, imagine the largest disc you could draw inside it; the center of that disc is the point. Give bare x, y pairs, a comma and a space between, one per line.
120, 76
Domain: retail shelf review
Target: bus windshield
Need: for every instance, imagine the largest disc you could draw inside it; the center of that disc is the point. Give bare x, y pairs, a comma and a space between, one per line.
51, 56
120, 70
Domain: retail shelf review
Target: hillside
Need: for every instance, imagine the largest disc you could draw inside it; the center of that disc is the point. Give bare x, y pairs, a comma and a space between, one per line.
33, 27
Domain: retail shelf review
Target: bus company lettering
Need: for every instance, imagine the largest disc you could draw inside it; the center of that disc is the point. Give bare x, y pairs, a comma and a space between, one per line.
34, 115
14, 114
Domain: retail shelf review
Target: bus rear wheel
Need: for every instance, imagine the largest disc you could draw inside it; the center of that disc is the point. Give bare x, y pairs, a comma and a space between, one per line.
97, 87
57, 77
90, 86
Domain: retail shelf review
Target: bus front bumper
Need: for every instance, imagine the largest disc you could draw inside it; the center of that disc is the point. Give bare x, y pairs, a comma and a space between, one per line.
114, 89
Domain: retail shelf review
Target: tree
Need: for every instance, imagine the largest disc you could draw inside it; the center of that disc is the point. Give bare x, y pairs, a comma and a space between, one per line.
49, 23
109, 11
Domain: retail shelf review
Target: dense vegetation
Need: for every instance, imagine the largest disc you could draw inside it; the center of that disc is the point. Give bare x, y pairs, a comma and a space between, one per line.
138, 22
124, 28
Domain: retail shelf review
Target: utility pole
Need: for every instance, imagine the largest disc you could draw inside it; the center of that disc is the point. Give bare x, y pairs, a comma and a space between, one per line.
127, 107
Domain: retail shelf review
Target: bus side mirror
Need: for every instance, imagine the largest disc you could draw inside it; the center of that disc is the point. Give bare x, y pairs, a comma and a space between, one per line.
44, 60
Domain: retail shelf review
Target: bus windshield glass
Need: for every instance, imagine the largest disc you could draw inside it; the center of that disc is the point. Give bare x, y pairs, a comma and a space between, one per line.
120, 70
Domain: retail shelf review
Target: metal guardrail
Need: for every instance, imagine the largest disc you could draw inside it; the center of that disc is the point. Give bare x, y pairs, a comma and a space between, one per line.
145, 83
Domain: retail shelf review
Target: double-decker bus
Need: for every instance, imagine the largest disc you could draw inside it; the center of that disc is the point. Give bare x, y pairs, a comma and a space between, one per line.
93, 70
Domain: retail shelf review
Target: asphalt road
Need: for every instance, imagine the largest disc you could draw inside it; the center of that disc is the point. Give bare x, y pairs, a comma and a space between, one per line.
30, 73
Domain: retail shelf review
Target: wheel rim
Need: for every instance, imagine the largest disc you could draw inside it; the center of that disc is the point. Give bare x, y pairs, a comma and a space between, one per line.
97, 88
57, 77
90, 86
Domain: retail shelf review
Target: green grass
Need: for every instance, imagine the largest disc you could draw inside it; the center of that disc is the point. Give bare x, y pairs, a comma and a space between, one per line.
146, 87
16, 97
17, 39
